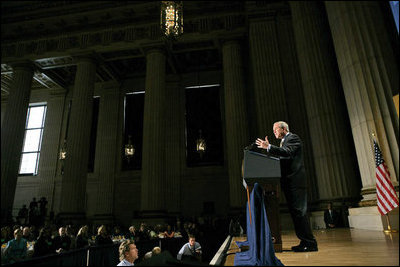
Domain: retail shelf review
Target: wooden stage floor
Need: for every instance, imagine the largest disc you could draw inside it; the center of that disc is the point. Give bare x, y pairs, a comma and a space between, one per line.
336, 247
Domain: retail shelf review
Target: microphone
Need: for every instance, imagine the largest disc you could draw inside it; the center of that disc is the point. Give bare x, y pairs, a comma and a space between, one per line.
251, 146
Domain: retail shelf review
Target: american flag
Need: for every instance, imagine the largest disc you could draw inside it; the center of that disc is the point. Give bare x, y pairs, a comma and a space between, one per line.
386, 196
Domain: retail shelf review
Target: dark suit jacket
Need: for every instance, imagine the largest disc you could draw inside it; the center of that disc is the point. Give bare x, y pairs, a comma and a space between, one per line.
292, 164
334, 219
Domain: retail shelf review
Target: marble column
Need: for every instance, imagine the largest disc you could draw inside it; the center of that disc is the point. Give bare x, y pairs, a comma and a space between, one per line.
267, 75
294, 94
153, 158
106, 152
12, 134
174, 144
49, 155
73, 187
335, 164
369, 73
236, 119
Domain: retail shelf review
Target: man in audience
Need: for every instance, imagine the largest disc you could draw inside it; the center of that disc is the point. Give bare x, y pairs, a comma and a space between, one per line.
190, 251
62, 242
44, 244
331, 217
128, 253
27, 235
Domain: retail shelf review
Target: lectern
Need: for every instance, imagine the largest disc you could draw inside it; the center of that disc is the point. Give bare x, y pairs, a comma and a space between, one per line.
266, 171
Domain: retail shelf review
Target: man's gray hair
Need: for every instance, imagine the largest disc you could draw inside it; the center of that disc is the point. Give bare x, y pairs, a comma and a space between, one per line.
282, 125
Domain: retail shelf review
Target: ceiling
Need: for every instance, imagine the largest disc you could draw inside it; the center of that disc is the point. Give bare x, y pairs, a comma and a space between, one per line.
22, 21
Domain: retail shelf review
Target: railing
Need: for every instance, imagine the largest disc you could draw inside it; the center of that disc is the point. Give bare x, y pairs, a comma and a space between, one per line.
221, 253
104, 255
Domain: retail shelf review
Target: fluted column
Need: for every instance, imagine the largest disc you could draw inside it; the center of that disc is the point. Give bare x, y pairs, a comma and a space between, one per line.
236, 119
267, 74
332, 145
73, 188
49, 155
174, 144
12, 134
294, 94
153, 158
369, 73
106, 152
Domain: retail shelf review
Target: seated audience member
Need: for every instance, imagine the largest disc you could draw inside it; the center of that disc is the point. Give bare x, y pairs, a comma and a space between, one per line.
62, 242
70, 231
190, 251
44, 244
128, 253
5, 234
148, 255
132, 233
143, 234
156, 251
82, 238
102, 238
169, 233
331, 217
27, 235
16, 249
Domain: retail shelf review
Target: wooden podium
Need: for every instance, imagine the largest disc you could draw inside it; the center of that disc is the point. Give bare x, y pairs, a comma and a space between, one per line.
266, 171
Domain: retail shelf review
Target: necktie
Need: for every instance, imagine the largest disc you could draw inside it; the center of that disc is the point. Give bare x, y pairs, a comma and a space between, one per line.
281, 143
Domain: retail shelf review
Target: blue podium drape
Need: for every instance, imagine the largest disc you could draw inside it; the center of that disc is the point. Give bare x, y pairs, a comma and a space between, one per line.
261, 249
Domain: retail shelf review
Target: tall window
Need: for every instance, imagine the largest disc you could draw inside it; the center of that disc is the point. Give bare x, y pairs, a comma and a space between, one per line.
203, 120
133, 129
33, 139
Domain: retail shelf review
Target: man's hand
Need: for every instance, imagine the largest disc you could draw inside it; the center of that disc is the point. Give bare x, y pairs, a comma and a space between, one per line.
262, 143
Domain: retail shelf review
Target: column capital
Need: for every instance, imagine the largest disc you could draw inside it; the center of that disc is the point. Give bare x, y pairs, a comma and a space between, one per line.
86, 57
158, 48
22, 64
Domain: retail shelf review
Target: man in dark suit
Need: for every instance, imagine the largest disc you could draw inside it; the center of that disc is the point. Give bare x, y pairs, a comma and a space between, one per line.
293, 182
331, 217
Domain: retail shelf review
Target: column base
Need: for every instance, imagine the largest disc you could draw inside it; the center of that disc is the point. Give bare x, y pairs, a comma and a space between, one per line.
369, 218
99, 219
151, 217
72, 218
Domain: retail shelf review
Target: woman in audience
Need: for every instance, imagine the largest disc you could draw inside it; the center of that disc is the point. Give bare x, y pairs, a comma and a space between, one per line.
169, 233
82, 238
132, 233
16, 248
102, 238
44, 243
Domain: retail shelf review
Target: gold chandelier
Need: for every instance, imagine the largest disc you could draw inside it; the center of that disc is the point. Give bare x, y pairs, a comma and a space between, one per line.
201, 145
172, 18
129, 149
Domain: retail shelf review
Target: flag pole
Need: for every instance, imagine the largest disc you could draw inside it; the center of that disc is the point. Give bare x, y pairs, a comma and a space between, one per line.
389, 230
248, 201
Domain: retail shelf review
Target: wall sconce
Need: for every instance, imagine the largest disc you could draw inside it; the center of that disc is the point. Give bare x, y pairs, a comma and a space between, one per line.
201, 145
172, 18
129, 149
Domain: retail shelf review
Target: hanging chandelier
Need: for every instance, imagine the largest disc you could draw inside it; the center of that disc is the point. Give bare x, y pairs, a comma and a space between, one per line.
172, 18
129, 149
201, 145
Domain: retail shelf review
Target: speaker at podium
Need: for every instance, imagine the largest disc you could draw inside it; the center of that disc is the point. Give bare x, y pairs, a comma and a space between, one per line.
266, 171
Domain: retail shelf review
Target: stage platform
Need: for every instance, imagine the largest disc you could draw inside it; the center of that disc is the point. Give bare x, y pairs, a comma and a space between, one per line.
337, 247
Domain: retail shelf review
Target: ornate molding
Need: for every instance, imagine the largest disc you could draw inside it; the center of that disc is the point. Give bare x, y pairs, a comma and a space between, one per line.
125, 35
